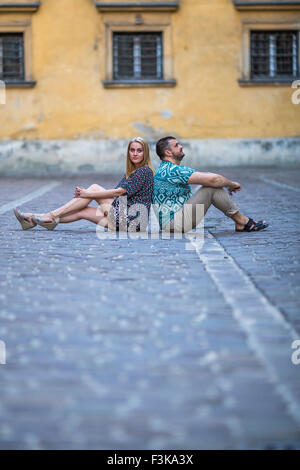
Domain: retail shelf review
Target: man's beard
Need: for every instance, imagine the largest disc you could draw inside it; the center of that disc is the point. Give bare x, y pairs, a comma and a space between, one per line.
178, 158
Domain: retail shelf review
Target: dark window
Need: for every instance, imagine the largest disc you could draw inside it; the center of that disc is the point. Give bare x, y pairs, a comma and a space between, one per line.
274, 54
11, 56
137, 56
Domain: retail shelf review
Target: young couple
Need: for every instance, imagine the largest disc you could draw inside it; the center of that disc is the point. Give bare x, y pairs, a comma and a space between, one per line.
169, 190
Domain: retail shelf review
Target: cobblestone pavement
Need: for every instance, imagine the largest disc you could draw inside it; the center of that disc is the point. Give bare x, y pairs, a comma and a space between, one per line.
145, 344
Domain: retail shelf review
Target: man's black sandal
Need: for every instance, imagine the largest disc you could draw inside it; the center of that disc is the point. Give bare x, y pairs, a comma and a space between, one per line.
252, 226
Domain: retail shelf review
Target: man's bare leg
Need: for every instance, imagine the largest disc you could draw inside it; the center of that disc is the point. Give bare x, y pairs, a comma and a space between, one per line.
221, 200
240, 220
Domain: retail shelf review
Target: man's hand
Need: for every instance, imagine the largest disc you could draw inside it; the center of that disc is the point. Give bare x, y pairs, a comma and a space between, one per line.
234, 186
213, 180
81, 192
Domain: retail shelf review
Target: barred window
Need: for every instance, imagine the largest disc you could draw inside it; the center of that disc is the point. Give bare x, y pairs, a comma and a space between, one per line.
11, 56
274, 54
137, 56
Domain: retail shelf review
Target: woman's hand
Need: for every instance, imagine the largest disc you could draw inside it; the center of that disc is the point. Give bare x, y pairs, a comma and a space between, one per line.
120, 191
81, 192
103, 194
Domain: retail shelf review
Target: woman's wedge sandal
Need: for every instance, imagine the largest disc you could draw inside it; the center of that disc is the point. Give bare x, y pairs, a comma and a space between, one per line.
252, 226
47, 225
25, 224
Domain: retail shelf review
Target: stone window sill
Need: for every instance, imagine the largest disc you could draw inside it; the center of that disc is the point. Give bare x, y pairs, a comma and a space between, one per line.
19, 83
137, 6
7, 7
266, 5
138, 83
266, 82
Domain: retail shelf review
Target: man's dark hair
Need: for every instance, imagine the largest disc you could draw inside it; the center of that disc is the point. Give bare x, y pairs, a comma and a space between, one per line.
162, 145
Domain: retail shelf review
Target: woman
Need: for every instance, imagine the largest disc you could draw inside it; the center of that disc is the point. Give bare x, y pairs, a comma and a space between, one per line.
114, 212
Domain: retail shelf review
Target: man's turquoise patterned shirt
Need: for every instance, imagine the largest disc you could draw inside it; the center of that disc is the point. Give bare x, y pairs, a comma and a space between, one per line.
171, 190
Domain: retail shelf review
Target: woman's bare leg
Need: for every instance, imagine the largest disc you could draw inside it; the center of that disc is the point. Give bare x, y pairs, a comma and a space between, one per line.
75, 204
93, 214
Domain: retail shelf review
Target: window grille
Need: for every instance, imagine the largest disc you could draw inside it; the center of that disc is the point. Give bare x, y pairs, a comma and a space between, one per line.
274, 54
137, 56
11, 56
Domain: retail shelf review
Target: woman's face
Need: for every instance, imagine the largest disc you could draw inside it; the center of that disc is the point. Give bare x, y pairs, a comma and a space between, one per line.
136, 153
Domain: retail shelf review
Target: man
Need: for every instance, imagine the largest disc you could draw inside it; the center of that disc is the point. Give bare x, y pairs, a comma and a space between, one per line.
175, 205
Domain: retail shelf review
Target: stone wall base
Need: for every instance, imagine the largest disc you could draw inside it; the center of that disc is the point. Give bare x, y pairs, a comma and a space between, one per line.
56, 157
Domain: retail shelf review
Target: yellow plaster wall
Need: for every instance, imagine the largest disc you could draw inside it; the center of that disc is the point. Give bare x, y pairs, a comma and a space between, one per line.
70, 102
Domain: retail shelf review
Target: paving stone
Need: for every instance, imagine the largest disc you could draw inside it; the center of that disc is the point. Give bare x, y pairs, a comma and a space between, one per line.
129, 344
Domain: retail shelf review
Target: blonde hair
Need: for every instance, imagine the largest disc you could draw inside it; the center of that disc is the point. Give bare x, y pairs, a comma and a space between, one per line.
130, 168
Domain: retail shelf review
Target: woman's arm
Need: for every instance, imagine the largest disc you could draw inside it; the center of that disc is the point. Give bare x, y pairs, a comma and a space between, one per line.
106, 194
140, 178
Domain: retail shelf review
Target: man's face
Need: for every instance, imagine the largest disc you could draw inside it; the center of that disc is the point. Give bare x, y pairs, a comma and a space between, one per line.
176, 149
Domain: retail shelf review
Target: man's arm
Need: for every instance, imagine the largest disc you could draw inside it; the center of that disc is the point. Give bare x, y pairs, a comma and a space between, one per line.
214, 181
